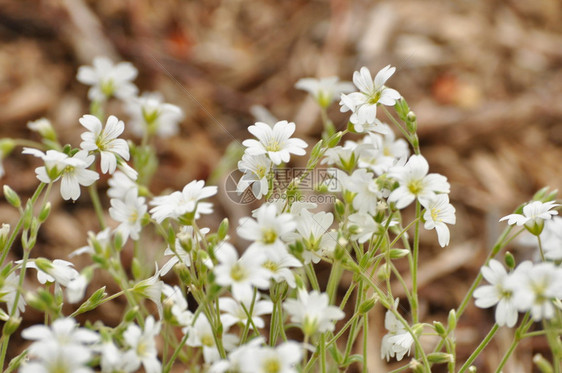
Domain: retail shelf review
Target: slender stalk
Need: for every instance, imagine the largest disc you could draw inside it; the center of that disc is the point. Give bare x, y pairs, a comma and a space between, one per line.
480, 348
322, 347
16, 231
94, 196
415, 257
174, 356
525, 325
365, 339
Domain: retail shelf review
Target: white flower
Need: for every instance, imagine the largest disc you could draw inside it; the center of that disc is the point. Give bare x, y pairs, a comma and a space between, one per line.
175, 299
62, 331
151, 288
267, 230
398, 341
312, 312
59, 271
416, 183
243, 274
438, 212
8, 291
53, 358
551, 238
151, 115
234, 312
186, 202
275, 142
312, 229
119, 185
324, 90
108, 80
381, 152
114, 360
536, 287
534, 215
76, 288
200, 334
498, 292
367, 191
238, 358
362, 226
281, 359
72, 171
342, 156
363, 104
255, 169
278, 263
129, 213
61, 348
143, 344
105, 141
43, 127
96, 242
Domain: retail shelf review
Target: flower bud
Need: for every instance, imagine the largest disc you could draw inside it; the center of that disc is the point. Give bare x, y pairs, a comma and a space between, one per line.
509, 260
439, 328
440, 358
44, 213
12, 197
223, 229
4, 233
398, 253
367, 305
543, 364
131, 314
11, 325
452, 320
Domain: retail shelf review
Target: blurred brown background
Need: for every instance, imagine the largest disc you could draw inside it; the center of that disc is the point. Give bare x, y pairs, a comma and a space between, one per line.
483, 77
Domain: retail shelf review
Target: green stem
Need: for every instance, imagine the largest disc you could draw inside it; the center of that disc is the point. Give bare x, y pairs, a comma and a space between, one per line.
309, 269
174, 356
480, 348
525, 325
365, 339
94, 196
414, 298
16, 231
322, 348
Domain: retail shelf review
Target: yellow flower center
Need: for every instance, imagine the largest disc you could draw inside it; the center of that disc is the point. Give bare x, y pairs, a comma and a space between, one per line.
415, 186
374, 98
271, 365
237, 273
269, 236
273, 146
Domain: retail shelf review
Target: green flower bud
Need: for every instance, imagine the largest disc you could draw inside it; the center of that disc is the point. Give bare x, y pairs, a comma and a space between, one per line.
131, 314
12, 197
11, 325
439, 328
452, 320
334, 139
440, 358
543, 364
44, 213
398, 253
223, 229
367, 305
509, 260
4, 234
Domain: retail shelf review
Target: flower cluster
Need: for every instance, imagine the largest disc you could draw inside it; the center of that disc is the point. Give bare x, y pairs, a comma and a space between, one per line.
249, 285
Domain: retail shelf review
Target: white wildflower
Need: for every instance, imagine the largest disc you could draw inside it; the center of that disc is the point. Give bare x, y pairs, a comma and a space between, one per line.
275, 142
105, 141
107, 80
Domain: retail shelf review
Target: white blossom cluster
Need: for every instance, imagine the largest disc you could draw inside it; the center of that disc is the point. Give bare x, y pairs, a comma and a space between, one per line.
246, 299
